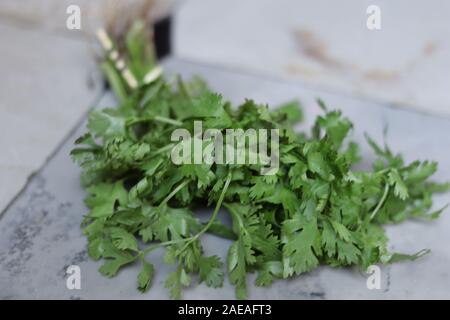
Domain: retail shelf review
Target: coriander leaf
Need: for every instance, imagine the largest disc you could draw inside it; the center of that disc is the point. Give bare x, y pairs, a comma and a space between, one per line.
145, 276
211, 271
123, 240
103, 198
105, 124
116, 259
299, 238
400, 189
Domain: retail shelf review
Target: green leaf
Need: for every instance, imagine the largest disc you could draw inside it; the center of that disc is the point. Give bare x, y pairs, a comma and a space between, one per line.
317, 164
95, 248
145, 276
291, 110
269, 271
341, 230
116, 259
299, 239
329, 239
335, 126
103, 198
105, 124
348, 253
315, 209
285, 197
211, 271
123, 240
176, 281
237, 269
400, 189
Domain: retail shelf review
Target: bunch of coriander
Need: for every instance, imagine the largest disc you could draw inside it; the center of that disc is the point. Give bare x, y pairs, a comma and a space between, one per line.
314, 210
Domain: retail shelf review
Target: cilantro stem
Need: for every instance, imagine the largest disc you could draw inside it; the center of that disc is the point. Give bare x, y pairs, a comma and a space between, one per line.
163, 149
169, 121
383, 171
156, 118
381, 202
174, 192
162, 244
189, 240
213, 216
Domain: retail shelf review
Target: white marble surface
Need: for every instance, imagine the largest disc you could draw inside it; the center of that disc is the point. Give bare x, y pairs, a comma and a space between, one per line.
40, 234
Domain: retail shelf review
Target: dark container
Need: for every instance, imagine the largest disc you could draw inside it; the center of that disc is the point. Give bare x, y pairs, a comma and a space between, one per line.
163, 37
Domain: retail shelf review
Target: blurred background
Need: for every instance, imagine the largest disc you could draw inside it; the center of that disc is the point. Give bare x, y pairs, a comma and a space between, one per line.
49, 78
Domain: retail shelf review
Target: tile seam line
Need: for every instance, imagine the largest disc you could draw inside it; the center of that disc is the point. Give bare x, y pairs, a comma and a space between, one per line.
53, 153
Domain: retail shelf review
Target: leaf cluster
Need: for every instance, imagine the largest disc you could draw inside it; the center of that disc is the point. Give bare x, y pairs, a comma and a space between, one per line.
314, 210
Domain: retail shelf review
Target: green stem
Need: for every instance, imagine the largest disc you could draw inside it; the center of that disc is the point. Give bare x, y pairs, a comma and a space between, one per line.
161, 244
157, 118
381, 202
189, 240
115, 80
163, 149
174, 192
168, 120
213, 216
382, 171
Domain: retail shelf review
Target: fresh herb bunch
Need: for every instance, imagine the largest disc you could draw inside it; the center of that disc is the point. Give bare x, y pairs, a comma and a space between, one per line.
314, 210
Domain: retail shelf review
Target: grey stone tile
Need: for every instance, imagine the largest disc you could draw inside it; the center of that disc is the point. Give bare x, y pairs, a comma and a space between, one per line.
51, 15
327, 43
40, 234
47, 83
